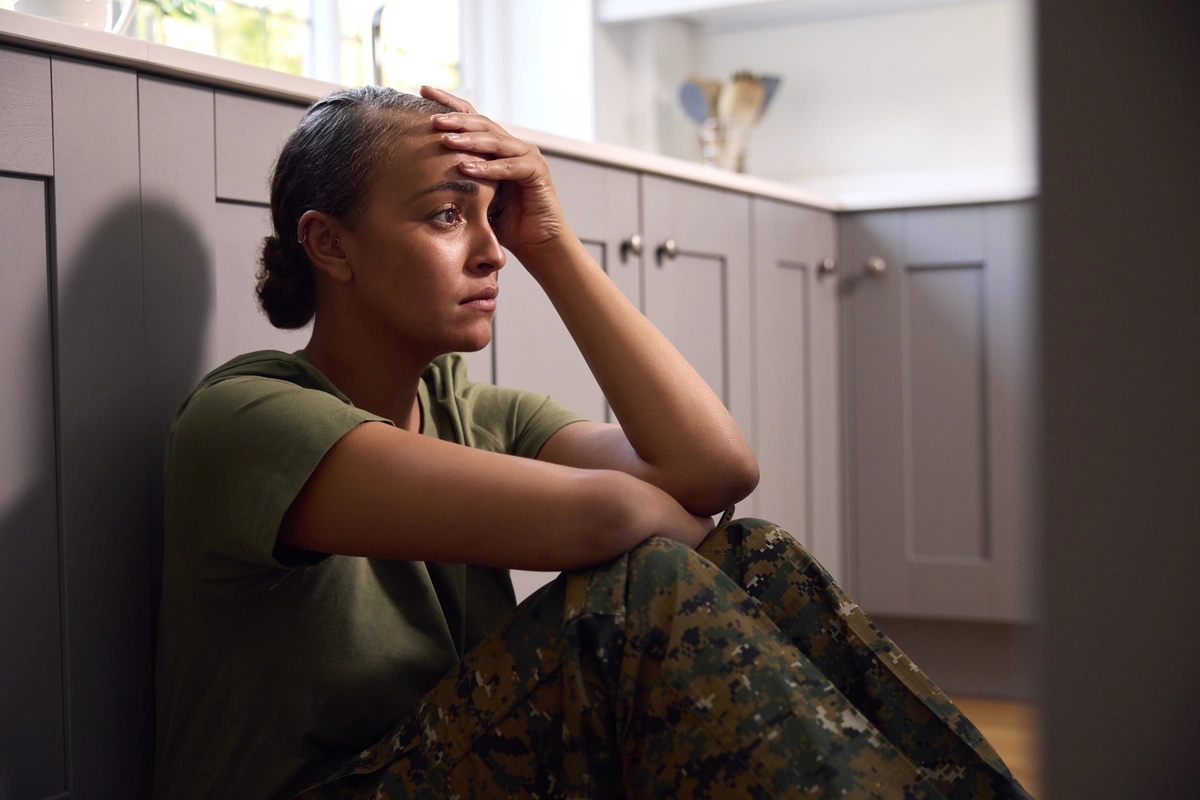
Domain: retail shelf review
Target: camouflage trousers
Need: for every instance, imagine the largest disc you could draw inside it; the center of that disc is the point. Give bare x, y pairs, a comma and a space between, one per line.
739, 670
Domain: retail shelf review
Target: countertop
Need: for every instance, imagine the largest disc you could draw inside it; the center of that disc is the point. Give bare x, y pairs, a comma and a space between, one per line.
38, 34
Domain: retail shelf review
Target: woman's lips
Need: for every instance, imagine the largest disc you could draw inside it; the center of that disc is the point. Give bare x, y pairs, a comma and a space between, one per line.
484, 300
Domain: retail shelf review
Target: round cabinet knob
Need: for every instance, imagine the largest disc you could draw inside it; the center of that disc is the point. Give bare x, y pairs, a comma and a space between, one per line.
826, 266
875, 266
668, 249
631, 245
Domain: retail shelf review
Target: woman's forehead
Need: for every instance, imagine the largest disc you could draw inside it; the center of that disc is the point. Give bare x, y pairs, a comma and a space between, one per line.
418, 165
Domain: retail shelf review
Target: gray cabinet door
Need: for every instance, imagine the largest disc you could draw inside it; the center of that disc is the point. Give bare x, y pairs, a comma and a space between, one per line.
26, 141
32, 733
938, 368
103, 493
32, 756
200, 250
533, 348
797, 401
700, 296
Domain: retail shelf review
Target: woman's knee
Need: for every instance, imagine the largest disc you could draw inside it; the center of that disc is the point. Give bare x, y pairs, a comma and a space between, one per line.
661, 562
747, 531
753, 550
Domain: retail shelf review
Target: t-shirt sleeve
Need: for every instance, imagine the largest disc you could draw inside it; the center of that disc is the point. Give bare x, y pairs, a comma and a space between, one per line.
237, 456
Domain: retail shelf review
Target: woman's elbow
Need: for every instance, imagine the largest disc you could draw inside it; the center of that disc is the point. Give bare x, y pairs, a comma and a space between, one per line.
720, 484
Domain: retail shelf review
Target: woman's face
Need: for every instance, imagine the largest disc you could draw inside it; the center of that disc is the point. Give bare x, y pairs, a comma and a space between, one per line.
423, 253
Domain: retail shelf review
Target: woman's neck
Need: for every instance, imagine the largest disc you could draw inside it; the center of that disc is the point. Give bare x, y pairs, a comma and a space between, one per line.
381, 381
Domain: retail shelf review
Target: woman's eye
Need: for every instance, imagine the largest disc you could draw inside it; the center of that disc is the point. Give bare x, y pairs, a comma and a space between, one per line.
447, 216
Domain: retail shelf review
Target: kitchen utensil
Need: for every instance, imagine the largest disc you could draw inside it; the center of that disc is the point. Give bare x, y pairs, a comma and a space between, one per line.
694, 101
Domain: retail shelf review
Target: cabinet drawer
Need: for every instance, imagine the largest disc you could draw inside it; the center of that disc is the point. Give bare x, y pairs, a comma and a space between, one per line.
249, 134
26, 143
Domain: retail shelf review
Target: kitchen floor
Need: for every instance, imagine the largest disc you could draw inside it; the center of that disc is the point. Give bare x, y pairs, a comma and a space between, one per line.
1014, 730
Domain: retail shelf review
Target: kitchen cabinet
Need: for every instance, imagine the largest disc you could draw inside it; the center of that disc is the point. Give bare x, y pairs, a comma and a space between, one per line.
797, 420
939, 379
205, 208
678, 251
31, 672
76, 629
126, 278
533, 348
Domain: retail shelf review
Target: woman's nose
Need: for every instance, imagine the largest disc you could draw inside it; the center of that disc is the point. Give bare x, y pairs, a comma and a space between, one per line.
489, 256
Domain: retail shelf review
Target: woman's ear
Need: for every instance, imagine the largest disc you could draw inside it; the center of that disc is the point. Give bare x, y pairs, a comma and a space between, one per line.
320, 236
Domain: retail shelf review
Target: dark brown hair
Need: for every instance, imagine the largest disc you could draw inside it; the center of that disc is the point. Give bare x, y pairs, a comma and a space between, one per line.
325, 165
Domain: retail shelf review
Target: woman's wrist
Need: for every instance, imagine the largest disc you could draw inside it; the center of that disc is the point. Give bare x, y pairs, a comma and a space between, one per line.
554, 258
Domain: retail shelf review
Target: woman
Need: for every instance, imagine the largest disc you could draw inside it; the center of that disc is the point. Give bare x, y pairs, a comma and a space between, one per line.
336, 617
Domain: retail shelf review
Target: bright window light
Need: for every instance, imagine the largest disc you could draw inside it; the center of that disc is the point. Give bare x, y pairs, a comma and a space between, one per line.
415, 42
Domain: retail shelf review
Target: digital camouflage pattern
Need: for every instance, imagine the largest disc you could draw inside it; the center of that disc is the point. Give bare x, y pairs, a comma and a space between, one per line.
740, 670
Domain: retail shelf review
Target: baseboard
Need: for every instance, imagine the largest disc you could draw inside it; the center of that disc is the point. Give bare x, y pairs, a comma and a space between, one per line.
986, 659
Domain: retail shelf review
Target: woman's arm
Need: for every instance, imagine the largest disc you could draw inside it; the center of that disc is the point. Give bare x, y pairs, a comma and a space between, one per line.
383, 492
674, 432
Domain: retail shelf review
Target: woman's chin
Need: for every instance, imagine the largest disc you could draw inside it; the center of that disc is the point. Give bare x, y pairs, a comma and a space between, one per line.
477, 341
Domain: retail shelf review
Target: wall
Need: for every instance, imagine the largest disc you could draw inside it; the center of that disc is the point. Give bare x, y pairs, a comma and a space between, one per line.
934, 101
1120, 390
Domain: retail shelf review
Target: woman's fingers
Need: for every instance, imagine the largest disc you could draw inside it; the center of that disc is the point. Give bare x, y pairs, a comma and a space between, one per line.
447, 99
487, 143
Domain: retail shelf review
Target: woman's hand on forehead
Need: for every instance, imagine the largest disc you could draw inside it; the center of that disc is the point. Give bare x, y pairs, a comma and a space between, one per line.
527, 214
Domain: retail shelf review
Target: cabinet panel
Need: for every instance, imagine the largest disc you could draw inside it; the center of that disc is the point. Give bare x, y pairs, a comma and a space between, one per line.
249, 133
938, 356
797, 408
701, 298
237, 325
603, 207
26, 142
101, 380
31, 678
181, 224
534, 349
687, 298
944, 400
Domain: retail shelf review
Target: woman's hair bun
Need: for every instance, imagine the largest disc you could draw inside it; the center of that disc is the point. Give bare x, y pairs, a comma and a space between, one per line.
286, 290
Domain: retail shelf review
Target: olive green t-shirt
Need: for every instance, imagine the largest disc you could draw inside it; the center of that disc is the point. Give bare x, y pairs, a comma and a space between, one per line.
273, 666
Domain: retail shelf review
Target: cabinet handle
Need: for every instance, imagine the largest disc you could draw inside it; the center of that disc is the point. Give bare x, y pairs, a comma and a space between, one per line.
875, 266
826, 266
631, 245
668, 249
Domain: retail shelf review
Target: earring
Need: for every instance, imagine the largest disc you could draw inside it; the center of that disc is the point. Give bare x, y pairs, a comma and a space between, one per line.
337, 242
303, 238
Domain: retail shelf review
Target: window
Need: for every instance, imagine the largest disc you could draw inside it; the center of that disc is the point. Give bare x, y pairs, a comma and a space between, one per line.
415, 42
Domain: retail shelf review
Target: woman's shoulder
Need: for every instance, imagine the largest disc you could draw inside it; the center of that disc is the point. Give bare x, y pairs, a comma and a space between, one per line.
259, 379
270, 365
